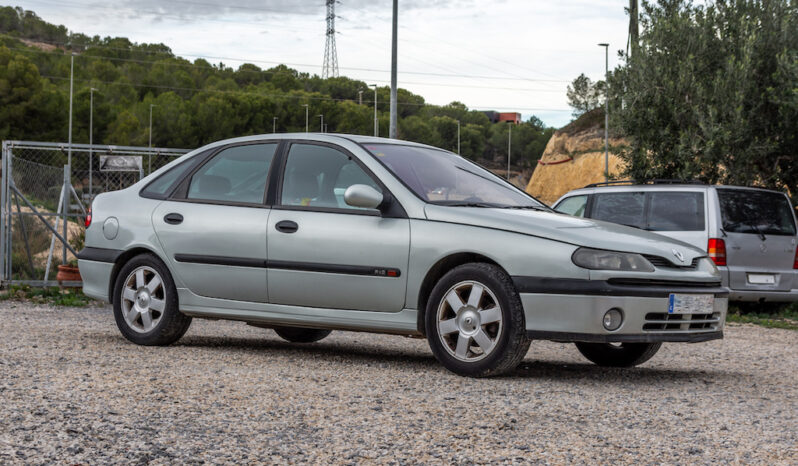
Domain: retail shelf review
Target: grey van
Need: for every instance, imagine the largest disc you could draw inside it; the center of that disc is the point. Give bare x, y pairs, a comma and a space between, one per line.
749, 233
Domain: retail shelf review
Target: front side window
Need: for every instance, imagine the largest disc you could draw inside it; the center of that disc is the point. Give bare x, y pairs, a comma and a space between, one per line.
318, 176
574, 205
236, 174
440, 177
676, 211
624, 208
756, 212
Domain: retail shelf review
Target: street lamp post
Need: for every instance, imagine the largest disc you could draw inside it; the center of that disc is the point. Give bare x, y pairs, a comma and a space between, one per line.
149, 156
458, 137
606, 110
360, 97
509, 149
322, 123
91, 136
306, 117
376, 121
274, 125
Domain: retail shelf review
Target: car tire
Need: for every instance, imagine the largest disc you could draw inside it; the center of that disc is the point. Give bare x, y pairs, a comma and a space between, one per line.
301, 335
489, 313
145, 303
623, 355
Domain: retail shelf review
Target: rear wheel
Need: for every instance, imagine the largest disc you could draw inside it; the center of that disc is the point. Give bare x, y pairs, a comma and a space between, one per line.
145, 303
475, 321
301, 335
618, 355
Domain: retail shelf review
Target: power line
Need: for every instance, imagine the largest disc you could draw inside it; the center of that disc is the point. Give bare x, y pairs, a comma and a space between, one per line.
245, 60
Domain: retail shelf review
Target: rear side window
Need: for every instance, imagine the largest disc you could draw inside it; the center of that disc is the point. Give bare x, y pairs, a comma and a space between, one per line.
676, 211
624, 208
750, 211
573, 206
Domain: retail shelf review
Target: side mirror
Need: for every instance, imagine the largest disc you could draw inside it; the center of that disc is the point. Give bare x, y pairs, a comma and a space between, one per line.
361, 195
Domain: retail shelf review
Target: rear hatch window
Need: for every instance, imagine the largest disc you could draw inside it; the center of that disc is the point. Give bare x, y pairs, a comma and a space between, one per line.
756, 212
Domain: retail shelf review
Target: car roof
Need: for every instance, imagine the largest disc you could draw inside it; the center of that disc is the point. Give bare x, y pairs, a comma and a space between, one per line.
590, 189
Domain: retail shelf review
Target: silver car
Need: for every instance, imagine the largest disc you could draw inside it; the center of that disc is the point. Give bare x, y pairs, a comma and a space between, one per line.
305, 233
750, 233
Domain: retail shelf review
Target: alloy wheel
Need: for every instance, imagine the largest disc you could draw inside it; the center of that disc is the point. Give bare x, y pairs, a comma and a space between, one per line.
469, 321
143, 299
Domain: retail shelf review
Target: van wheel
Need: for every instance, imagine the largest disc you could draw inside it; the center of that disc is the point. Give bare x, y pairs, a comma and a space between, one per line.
145, 303
475, 321
618, 355
301, 335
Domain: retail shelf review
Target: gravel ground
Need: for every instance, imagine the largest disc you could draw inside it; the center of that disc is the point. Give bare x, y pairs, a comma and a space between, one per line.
73, 390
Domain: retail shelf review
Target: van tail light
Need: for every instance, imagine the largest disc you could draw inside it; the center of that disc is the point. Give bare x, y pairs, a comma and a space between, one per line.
716, 249
795, 261
88, 217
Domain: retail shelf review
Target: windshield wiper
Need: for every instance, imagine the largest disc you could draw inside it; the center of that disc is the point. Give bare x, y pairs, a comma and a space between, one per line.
758, 232
528, 207
467, 204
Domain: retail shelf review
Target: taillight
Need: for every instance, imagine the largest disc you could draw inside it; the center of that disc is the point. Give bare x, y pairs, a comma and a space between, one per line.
88, 217
716, 249
795, 261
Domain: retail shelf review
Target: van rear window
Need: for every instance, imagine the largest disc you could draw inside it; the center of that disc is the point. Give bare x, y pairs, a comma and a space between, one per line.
755, 212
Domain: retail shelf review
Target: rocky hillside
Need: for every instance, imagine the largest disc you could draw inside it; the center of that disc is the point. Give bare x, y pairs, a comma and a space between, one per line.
574, 157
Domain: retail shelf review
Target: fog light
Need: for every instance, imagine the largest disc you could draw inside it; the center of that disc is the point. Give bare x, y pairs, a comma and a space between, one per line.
613, 319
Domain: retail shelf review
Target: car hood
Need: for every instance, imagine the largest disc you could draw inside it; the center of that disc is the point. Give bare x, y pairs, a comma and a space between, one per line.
565, 228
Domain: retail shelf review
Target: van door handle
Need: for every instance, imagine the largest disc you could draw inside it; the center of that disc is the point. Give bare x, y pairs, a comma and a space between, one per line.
287, 226
173, 219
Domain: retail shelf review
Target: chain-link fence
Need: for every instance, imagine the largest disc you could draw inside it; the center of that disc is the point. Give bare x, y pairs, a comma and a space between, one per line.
43, 203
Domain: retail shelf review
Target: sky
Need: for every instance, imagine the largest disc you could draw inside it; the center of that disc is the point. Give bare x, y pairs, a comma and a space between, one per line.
504, 55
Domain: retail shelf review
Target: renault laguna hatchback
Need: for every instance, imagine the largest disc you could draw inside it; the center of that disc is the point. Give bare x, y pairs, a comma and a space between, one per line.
308, 233
749, 233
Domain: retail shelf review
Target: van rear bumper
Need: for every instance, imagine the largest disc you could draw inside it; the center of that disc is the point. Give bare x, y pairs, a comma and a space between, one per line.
764, 296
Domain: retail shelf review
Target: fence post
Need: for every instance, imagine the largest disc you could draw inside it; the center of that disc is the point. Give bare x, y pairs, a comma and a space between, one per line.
3, 218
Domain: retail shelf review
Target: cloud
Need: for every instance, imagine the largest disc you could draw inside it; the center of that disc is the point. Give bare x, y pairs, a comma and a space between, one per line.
203, 9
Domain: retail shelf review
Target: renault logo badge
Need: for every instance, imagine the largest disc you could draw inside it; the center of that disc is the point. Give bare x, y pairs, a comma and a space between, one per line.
678, 255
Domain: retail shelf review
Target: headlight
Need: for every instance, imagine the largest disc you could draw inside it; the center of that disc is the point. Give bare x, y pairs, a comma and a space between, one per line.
596, 259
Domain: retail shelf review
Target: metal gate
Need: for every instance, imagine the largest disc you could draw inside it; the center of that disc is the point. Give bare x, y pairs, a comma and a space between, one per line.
45, 190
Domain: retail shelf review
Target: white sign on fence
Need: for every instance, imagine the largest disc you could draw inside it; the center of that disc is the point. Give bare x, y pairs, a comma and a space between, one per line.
120, 163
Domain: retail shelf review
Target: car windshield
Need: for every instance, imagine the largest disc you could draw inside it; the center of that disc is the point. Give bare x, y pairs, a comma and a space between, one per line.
756, 212
443, 178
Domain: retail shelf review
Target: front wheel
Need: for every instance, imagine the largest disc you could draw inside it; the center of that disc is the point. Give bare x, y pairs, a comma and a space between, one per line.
475, 321
618, 355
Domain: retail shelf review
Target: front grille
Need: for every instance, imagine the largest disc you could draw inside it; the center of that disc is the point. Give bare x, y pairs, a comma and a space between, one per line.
663, 263
664, 322
666, 283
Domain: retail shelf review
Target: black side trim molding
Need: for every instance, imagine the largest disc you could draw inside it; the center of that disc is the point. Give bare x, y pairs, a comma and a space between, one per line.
658, 289
609, 338
99, 254
220, 260
367, 270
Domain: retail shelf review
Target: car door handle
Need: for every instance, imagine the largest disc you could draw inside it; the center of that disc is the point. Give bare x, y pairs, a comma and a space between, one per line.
287, 226
173, 219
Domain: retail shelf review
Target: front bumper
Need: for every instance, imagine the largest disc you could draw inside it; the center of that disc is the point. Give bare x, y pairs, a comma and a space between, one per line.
573, 310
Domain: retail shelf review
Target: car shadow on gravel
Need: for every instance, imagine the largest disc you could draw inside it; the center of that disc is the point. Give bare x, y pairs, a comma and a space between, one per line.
371, 354
621, 376
334, 351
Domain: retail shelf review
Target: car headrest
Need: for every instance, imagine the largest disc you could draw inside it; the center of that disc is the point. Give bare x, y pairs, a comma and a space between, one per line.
214, 185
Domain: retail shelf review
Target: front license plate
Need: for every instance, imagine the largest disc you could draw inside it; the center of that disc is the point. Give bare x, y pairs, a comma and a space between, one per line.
691, 303
761, 279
